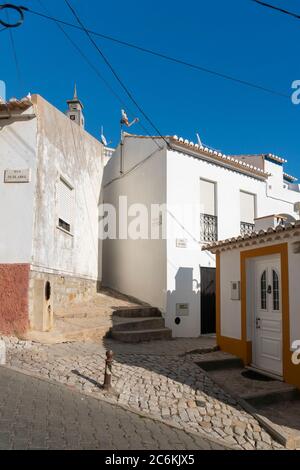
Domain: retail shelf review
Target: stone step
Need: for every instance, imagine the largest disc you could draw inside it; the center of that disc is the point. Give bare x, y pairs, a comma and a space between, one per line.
68, 315
57, 337
135, 312
147, 323
142, 335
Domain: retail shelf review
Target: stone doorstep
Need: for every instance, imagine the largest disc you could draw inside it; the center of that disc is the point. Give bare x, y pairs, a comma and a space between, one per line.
223, 444
221, 364
272, 396
289, 441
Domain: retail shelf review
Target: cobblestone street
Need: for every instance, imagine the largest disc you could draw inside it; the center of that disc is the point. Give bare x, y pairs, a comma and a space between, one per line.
167, 385
35, 414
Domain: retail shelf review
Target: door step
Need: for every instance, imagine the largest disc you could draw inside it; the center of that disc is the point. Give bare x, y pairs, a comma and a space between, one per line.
266, 373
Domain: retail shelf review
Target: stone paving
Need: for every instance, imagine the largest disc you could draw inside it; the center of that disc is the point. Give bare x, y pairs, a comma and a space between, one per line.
35, 414
166, 384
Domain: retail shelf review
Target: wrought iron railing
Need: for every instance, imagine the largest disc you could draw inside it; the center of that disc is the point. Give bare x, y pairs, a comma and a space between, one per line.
246, 228
208, 228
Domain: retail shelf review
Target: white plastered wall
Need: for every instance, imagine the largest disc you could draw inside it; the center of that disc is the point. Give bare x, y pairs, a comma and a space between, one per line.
64, 149
136, 267
230, 271
17, 152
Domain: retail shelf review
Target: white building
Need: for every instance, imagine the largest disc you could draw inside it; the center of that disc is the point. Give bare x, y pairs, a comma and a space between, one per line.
49, 195
258, 297
208, 196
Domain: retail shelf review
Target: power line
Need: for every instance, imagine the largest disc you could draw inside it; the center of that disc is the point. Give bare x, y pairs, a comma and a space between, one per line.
15, 54
273, 7
94, 68
116, 74
167, 57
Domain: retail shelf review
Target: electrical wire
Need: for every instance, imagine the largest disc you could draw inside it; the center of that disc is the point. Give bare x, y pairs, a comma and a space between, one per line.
13, 46
273, 7
20, 10
94, 68
167, 57
125, 88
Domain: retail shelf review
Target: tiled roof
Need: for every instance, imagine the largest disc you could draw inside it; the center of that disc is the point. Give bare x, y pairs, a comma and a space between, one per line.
212, 154
269, 156
255, 235
219, 156
290, 178
16, 105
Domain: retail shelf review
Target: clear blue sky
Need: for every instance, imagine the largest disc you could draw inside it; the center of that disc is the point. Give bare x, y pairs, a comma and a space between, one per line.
235, 37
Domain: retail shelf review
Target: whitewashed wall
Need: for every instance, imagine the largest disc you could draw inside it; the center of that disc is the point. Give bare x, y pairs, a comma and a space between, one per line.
136, 267
174, 177
231, 309
17, 151
64, 149
183, 189
294, 292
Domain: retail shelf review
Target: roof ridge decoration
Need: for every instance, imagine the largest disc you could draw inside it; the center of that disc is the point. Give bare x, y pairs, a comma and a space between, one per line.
230, 159
271, 156
289, 177
14, 104
215, 246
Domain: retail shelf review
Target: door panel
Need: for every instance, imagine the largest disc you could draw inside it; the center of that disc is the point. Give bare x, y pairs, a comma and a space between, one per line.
208, 300
267, 337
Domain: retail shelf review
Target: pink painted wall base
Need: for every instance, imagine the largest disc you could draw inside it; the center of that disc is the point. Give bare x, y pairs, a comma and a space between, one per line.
14, 290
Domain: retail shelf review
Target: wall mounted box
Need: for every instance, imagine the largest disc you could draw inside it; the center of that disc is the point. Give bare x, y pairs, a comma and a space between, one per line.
182, 310
235, 290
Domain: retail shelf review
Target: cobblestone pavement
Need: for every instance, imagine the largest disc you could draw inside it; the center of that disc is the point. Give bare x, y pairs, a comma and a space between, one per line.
35, 414
166, 386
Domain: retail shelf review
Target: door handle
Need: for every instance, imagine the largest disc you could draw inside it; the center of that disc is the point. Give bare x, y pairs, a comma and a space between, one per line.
257, 323
269, 290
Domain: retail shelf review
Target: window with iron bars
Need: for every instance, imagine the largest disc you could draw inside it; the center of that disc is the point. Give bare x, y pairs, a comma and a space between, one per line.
208, 228
246, 228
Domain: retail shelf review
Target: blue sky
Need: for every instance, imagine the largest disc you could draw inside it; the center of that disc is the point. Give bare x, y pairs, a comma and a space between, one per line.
235, 37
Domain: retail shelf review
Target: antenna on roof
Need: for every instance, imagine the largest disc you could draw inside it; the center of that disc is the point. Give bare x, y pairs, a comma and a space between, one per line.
199, 140
125, 120
103, 138
202, 144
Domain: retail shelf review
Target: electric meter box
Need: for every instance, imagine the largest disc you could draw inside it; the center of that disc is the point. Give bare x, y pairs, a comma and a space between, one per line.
235, 288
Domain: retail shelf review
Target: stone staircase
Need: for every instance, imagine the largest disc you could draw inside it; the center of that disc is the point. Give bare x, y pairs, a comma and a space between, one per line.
137, 324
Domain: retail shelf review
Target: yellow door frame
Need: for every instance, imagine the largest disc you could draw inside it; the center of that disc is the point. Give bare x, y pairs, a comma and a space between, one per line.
243, 348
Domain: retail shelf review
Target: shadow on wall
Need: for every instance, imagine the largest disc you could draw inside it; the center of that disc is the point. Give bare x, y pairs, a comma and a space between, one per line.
183, 305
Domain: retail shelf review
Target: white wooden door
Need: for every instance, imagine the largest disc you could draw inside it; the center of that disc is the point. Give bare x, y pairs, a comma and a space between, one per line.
267, 328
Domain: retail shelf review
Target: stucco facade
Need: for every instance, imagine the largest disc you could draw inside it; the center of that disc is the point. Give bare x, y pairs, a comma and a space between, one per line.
238, 331
172, 274
36, 136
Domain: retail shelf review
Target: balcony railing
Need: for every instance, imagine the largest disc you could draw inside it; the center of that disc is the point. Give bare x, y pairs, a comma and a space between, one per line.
246, 228
208, 228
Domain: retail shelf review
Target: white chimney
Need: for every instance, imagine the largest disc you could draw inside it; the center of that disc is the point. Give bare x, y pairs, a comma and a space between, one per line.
263, 223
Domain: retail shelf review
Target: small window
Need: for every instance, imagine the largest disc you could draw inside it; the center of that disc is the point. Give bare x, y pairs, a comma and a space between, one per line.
275, 290
263, 291
65, 202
